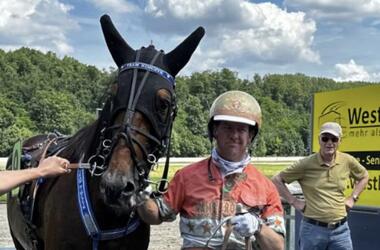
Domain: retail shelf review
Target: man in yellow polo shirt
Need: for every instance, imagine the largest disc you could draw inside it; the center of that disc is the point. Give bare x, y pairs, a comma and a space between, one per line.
322, 177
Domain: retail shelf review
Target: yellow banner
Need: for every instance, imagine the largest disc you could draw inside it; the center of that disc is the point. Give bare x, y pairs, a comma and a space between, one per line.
358, 112
371, 195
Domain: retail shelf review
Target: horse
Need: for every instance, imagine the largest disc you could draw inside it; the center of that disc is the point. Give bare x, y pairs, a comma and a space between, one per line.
95, 205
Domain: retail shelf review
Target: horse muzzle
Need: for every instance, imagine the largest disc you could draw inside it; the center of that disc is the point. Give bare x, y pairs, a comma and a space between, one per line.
118, 191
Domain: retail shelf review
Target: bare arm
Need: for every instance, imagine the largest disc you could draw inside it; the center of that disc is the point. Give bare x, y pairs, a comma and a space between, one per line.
149, 212
359, 187
50, 166
269, 239
285, 193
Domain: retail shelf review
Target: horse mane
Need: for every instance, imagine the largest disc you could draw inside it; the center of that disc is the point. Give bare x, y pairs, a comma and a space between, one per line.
82, 142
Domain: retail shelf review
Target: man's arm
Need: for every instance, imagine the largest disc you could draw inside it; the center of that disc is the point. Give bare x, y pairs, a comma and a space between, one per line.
269, 239
285, 193
50, 166
358, 188
149, 212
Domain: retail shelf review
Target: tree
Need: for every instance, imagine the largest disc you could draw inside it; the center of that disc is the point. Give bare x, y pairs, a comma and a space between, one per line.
58, 111
41, 92
15, 125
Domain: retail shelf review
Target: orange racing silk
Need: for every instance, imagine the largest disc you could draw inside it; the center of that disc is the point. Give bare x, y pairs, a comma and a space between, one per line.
203, 203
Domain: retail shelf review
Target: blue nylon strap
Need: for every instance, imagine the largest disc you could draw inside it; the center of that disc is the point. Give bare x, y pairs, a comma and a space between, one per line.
148, 67
88, 218
117, 233
85, 208
95, 244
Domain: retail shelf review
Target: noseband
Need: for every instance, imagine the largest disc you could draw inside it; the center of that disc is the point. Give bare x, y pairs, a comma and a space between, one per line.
110, 135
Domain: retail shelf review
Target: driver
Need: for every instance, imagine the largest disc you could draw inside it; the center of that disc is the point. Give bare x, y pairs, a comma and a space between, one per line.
225, 187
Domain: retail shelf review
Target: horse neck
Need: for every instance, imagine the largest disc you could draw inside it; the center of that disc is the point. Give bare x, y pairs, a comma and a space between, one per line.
83, 142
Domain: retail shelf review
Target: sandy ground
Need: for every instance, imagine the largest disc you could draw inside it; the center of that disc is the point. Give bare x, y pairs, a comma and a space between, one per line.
165, 236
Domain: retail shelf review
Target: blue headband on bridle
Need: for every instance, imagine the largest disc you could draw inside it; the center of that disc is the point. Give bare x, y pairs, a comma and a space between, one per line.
148, 67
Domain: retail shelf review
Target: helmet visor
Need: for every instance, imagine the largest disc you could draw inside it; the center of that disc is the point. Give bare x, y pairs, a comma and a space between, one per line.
231, 118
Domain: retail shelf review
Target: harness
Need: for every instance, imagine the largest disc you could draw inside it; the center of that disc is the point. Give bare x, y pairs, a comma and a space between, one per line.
23, 205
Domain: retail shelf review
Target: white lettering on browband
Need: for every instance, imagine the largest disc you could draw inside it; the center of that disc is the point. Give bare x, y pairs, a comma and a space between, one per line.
149, 67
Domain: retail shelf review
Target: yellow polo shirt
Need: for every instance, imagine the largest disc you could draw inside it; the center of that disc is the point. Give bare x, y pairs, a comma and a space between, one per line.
323, 187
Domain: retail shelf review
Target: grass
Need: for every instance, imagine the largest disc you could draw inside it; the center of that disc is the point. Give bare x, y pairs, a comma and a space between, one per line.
270, 170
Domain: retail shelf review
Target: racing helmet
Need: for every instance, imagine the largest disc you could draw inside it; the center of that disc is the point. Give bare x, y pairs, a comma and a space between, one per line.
235, 106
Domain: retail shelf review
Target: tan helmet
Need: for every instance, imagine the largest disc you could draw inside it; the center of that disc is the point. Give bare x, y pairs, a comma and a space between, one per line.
235, 106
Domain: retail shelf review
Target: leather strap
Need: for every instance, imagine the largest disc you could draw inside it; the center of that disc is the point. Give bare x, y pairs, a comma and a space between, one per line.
229, 228
248, 243
331, 225
227, 234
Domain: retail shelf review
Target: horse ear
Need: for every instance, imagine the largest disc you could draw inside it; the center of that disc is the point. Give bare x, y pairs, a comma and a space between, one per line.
117, 46
178, 57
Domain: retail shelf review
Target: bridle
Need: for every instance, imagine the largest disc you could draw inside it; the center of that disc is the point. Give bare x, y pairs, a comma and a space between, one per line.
110, 135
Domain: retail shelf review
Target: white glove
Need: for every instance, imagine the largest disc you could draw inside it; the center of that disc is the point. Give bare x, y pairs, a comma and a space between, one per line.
246, 224
144, 195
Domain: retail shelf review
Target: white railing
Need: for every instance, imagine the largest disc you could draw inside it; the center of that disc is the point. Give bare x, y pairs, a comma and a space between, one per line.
277, 160
3, 161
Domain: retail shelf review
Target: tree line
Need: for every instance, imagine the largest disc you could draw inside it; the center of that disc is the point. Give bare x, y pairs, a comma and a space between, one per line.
41, 93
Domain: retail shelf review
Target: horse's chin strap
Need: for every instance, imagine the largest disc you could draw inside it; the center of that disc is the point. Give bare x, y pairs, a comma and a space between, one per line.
89, 220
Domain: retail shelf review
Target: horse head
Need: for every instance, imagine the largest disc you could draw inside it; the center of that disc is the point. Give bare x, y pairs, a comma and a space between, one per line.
137, 120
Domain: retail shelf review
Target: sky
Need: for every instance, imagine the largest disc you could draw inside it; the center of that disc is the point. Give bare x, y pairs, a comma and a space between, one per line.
337, 39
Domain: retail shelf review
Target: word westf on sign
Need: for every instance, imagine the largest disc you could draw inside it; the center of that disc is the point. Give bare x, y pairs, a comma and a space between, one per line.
358, 112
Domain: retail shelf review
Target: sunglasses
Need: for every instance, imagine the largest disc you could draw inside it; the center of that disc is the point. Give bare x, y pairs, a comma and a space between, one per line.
326, 139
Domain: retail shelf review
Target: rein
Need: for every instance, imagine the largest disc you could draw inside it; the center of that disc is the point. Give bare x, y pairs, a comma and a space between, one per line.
226, 222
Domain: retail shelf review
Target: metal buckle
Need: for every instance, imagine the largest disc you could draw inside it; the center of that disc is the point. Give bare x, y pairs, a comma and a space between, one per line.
332, 225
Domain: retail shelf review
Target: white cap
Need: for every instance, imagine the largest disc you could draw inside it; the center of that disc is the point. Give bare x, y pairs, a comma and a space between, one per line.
331, 128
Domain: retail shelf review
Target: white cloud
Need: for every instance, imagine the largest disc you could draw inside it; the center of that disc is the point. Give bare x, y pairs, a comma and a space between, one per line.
117, 6
63, 48
183, 9
39, 24
238, 31
338, 9
203, 61
277, 36
354, 72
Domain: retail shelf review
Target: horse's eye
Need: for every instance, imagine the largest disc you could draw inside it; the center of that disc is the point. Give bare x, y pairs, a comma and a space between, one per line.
163, 105
163, 110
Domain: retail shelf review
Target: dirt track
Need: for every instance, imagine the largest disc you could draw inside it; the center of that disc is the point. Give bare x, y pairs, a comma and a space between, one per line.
165, 236
5, 238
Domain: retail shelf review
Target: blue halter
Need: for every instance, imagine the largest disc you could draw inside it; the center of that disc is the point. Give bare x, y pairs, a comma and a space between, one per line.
89, 220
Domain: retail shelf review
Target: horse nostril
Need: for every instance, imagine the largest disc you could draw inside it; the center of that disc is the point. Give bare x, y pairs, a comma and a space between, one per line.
112, 194
129, 188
